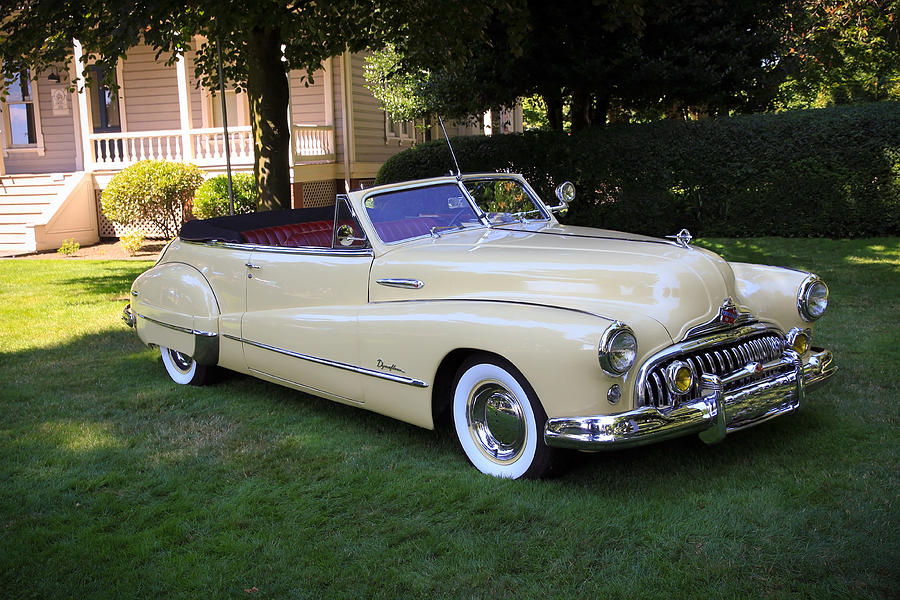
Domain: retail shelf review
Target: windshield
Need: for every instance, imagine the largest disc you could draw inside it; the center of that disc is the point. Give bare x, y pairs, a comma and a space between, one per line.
504, 200
405, 214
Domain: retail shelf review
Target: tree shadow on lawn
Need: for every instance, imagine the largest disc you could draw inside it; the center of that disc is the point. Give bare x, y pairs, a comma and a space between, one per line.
116, 280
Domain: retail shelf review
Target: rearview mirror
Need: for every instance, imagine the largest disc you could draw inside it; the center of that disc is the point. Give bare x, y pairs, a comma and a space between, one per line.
345, 236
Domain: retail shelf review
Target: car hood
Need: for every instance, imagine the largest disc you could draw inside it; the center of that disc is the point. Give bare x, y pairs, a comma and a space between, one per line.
612, 274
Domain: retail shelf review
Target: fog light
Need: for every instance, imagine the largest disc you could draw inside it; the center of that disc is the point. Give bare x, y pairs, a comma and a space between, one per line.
798, 340
614, 394
680, 377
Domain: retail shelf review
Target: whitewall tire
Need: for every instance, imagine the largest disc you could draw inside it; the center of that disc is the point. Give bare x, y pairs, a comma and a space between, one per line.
498, 419
182, 368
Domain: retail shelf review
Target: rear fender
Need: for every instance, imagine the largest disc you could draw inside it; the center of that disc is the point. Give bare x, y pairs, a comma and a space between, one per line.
175, 307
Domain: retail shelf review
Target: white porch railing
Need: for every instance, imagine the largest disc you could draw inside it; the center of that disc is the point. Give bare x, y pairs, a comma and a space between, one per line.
209, 146
205, 147
312, 143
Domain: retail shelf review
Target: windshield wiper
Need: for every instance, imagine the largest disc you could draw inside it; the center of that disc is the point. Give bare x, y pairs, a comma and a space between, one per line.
520, 216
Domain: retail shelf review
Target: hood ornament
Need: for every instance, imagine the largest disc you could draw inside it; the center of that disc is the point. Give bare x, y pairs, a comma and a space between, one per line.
728, 312
682, 238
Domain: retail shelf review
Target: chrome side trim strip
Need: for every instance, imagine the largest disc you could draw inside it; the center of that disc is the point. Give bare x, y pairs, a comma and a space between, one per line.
491, 301
332, 363
310, 389
206, 343
285, 250
177, 328
411, 284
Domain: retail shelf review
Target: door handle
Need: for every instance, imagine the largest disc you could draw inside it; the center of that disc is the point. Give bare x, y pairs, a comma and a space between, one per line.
250, 265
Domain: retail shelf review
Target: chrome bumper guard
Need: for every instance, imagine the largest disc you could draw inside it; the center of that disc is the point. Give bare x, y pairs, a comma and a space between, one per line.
712, 416
128, 316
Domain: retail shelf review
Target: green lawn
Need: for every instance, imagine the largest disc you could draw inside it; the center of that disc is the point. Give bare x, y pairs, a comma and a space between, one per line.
115, 482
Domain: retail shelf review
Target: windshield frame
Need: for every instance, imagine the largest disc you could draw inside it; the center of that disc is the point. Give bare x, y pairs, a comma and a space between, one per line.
435, 232
533, 196
363, 196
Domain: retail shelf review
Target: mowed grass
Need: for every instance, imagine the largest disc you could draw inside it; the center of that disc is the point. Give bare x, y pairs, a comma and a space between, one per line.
115, 482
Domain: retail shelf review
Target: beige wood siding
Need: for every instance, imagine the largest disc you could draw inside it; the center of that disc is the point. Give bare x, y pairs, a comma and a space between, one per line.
368, 121
308, 103
197, 96
150, 89
59, 138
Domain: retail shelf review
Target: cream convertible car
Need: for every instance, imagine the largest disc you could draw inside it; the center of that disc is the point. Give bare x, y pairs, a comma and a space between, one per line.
465, 295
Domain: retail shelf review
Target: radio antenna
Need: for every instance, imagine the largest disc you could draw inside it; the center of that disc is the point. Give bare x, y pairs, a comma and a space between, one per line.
452, 153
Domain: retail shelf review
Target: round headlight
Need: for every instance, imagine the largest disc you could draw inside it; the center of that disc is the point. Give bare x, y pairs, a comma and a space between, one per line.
618, 349
813, 299
679, 377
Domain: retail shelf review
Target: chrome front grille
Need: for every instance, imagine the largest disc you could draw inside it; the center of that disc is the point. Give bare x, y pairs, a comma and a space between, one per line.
720, 355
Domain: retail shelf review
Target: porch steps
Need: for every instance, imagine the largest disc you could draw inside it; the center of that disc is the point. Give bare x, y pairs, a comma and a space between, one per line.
23, 201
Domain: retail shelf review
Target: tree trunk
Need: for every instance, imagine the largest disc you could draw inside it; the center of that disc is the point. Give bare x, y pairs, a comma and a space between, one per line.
267, 88
581, 108
553, 100
601, 110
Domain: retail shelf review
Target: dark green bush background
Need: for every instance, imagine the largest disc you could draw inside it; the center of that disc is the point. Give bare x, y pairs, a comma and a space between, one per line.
831, 172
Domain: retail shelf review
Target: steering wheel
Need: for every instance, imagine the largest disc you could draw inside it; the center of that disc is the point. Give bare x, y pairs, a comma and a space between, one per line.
456, 217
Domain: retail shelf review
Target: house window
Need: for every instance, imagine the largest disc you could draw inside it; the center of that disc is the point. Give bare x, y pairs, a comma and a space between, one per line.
402, 130
21, 112
104, 103
236, 105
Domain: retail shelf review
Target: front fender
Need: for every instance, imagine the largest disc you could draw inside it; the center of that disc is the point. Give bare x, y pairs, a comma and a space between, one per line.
770, 293
174, 306
554, 348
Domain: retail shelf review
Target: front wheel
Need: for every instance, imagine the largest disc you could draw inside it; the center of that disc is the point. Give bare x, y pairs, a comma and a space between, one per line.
182, 368
499, 421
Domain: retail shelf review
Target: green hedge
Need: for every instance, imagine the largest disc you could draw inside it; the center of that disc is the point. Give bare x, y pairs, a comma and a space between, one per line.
818, 173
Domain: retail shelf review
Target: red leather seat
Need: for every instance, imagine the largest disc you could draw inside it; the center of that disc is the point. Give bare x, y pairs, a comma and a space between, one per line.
391, 231
314, 233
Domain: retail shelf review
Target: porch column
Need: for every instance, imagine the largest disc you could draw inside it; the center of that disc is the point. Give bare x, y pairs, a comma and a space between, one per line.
290, 118
184, 109
84, 115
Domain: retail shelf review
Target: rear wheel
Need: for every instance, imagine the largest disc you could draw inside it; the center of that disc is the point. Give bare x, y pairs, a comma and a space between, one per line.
498, 419
182, 368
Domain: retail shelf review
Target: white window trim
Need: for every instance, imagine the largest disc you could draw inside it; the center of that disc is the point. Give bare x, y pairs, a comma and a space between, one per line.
210, 96
38, 146
391, 136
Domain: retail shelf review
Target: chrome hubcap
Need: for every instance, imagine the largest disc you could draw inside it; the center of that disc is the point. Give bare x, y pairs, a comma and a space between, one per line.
497, 422
181, 362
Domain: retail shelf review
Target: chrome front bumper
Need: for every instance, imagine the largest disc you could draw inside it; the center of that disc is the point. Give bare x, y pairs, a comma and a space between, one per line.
712, 416
128, 316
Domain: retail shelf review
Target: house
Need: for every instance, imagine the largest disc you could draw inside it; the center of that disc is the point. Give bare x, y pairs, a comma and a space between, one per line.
59, 149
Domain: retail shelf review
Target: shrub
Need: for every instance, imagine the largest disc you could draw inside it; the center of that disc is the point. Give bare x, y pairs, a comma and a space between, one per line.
211, 199
831, 172
132, 242
151, 190
69, 247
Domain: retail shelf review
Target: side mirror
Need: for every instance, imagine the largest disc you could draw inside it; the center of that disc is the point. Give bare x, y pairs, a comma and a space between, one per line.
565, 193
345, 236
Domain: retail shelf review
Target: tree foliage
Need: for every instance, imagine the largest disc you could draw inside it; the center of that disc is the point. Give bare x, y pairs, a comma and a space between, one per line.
640, 55
38, 34
611, 60
841, 51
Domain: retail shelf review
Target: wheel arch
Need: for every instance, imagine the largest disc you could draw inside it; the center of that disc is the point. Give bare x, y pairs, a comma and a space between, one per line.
442, 390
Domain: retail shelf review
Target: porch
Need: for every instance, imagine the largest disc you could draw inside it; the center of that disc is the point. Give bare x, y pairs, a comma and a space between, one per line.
206, 147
